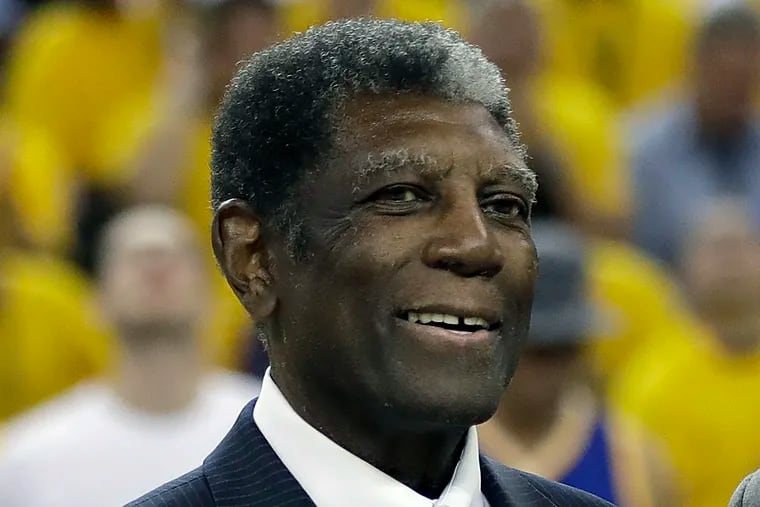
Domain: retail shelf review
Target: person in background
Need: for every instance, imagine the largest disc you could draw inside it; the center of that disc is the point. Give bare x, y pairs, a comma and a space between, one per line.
705, 146
50, 336
629, 49
100, 55
698, 390
550, 421
568, 124
575, 152
165, 152
160, 411
163, 139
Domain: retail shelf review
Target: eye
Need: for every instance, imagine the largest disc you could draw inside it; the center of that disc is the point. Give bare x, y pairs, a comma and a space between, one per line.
398, 194
505, 206
399, 199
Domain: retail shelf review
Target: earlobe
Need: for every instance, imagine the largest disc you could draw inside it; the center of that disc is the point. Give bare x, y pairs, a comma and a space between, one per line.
241, 251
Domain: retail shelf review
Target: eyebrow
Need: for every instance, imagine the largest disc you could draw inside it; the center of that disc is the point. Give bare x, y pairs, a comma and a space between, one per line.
519, 175
390, 161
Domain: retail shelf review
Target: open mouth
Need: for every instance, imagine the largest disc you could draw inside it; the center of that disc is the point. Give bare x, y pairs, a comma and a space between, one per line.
461, 324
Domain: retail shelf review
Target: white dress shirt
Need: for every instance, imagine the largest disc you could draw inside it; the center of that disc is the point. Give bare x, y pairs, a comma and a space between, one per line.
334, 477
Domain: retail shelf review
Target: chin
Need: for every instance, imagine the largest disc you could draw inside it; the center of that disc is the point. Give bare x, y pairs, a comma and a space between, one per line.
445, 402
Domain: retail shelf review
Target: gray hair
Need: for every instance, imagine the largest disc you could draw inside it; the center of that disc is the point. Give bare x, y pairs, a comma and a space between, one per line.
280, 112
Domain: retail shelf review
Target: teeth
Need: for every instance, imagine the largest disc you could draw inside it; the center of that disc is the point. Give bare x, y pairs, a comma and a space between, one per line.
426, 318
475, 321
450, 319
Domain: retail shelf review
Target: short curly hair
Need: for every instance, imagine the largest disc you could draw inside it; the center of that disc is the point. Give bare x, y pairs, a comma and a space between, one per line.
278, 115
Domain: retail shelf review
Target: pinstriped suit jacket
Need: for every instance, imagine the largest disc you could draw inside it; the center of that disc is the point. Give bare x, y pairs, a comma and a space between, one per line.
244, 471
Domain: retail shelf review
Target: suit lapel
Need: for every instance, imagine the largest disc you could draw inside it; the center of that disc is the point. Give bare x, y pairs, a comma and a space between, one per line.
496, 487
506, 487
244, 471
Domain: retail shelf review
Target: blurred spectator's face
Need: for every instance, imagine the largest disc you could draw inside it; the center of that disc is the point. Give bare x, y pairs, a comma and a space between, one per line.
243, 31
722, 267
543, 376
508, 33
153, 274
728, 74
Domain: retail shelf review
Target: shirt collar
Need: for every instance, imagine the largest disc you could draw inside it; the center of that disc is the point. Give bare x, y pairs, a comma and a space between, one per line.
333, 476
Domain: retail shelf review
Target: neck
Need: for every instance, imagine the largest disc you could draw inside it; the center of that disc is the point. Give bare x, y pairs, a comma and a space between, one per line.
421, 458
159, 375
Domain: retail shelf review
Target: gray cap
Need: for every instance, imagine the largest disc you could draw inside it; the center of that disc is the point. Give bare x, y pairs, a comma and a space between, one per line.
562, 312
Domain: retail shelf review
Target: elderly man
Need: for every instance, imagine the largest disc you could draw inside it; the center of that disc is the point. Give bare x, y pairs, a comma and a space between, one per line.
372, 214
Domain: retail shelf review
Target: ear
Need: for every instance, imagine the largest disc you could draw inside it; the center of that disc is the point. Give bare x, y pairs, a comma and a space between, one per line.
241, 251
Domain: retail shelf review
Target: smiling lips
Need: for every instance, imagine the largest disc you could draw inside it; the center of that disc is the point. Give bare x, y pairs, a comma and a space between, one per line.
454, 323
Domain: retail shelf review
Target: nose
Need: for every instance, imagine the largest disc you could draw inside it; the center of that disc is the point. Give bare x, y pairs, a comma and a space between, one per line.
463, 244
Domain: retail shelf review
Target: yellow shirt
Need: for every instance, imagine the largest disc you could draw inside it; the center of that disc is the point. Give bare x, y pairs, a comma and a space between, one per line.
70, 67
630, 48
301, 14
636, 300
41, 185
703, 404
49, 332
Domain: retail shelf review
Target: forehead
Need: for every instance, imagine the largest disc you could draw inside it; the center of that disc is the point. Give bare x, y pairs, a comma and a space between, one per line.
724, 227
149, 233
435, 128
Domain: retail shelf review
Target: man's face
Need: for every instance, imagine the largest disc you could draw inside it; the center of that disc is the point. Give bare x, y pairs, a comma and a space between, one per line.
153, 276
728, 76
418, 217
722, 265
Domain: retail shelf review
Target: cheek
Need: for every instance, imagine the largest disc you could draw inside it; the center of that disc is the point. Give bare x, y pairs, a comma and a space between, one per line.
365, 253
521, 267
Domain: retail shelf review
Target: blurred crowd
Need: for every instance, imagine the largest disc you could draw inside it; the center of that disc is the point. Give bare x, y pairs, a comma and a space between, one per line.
641, 381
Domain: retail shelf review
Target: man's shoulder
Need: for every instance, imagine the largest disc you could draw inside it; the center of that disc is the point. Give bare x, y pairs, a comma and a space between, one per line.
529, 489
748, 492
190, 490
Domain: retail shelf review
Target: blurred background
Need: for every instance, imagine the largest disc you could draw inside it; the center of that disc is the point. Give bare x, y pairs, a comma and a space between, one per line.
641, 382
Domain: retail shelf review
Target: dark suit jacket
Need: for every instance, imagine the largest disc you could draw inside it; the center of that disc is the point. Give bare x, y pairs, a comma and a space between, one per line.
244, 471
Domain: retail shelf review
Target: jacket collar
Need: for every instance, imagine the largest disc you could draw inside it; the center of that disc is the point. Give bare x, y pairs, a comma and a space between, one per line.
245, 471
